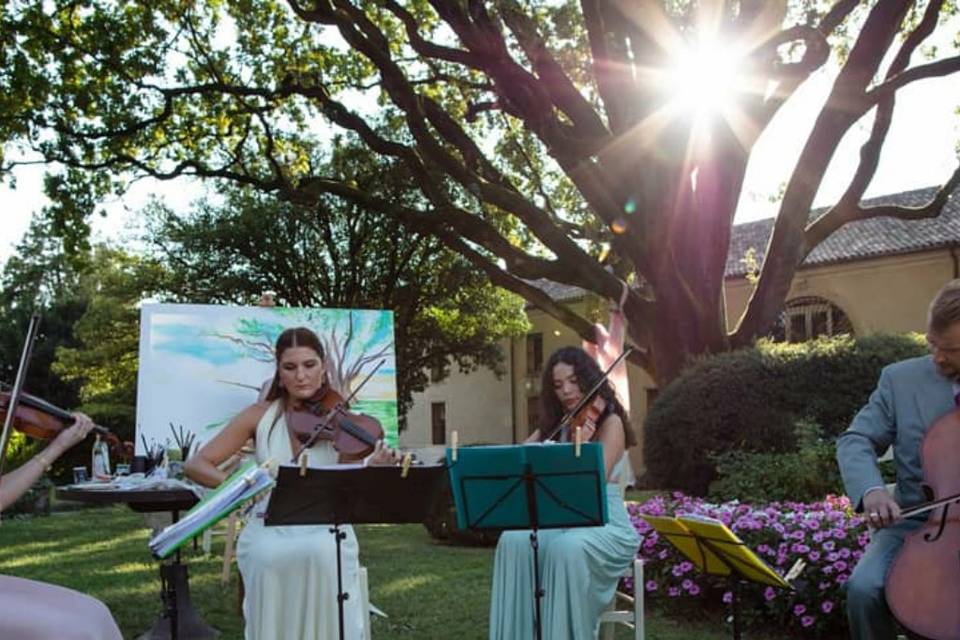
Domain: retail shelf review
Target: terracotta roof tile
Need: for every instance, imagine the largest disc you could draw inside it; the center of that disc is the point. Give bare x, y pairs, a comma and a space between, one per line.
862, 239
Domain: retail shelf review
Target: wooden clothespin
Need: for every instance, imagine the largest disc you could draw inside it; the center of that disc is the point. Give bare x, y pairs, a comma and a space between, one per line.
454, 441
576, 442
795, 570
405, 464
303, 464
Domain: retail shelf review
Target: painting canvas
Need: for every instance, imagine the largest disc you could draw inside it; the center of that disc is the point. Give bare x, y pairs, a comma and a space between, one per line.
201, 364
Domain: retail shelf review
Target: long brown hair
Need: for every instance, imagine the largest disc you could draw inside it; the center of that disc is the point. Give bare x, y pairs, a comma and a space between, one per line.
290, 338
587, 372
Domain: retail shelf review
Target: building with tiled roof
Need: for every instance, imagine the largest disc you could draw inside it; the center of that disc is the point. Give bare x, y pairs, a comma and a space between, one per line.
883, 236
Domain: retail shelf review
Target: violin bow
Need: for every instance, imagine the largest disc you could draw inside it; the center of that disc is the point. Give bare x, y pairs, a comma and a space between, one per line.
312, 440
25, 355
588, 396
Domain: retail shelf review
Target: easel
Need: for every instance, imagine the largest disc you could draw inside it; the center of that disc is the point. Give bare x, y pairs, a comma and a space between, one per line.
717, 551
352, 494
532, 486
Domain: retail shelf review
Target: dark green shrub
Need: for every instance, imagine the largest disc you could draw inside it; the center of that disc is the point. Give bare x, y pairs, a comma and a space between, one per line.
749, 400
35, 501
441, 522
803, 475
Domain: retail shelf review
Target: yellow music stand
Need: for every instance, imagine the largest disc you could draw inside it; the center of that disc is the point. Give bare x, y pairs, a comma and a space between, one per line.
716, 550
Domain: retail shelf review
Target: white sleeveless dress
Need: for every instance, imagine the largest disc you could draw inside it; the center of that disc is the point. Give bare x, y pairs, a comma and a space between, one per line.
290, 572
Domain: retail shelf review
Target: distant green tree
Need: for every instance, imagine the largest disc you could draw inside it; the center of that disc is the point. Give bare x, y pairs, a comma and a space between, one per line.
102, 359
38, 277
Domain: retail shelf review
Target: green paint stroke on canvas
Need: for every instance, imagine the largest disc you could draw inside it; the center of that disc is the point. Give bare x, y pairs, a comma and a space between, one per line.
386, 412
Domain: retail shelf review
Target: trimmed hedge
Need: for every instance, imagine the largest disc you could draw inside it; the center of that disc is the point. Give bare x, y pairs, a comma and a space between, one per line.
750, 400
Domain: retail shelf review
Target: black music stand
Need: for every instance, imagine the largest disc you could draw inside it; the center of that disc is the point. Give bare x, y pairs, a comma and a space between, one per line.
352, 494
533, 486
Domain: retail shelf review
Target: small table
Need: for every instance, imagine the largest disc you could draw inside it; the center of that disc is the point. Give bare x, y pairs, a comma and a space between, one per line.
174, 584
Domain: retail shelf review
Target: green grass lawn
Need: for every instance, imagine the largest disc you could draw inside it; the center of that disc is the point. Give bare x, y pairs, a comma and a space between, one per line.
429, 591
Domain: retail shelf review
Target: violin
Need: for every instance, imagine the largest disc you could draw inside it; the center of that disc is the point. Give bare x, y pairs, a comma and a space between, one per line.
923, 584
589, 413
325, 416
38, 418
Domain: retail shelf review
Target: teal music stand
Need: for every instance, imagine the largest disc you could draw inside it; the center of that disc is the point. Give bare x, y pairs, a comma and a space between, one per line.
530, 486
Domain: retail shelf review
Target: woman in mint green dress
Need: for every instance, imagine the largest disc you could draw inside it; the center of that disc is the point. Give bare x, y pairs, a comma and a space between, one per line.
579, 568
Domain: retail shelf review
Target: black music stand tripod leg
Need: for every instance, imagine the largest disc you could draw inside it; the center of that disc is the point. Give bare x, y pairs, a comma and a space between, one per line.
735, 604
338, 536
530, 482
538, 591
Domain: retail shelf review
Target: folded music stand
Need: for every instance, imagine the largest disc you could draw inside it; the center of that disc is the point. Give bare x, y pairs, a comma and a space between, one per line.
352, 494
531, 486
717, 551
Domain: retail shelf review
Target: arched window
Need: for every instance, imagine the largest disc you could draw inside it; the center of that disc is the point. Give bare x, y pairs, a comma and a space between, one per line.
809, 317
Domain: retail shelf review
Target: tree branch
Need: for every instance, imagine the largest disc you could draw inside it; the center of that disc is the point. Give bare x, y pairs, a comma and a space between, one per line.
836, 217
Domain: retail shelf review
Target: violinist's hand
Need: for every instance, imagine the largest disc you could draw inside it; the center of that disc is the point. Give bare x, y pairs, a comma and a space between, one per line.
880, 508
587, 430
73, 434
382, 456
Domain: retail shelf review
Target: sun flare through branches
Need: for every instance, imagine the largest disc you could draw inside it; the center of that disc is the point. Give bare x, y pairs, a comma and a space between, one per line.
705, 78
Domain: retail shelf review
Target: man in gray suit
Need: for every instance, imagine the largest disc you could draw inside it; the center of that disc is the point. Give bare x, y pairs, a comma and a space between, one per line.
910, 396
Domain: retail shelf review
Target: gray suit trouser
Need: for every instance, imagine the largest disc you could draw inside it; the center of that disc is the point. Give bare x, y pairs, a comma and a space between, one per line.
867, 611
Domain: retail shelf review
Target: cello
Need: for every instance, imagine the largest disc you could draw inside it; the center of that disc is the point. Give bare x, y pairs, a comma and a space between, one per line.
923, 583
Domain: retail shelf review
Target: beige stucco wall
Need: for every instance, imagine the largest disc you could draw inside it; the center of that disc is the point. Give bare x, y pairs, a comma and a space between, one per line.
886, 294
478, 408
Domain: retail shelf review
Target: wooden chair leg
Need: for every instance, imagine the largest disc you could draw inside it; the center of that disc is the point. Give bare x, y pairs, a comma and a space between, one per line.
228, 548
240, 594
365, 602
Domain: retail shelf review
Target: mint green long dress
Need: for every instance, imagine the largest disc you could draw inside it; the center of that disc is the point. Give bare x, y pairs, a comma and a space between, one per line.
579, 571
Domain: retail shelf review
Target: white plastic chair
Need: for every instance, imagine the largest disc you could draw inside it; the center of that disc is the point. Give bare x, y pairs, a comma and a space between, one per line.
631, 617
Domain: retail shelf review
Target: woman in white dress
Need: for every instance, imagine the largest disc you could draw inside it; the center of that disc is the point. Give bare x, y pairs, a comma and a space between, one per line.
289, 572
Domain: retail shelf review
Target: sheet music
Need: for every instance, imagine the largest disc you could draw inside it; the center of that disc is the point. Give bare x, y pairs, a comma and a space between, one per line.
246, 483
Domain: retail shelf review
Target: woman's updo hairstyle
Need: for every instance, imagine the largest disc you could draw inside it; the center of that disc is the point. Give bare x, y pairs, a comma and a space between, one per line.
289, 339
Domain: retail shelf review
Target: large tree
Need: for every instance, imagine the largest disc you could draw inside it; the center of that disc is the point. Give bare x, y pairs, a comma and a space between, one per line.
540, 137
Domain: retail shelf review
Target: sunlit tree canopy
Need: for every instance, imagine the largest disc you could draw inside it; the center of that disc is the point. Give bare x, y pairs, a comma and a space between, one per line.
591, 143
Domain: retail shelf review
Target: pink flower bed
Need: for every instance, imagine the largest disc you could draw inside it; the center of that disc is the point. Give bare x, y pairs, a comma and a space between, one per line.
827, 535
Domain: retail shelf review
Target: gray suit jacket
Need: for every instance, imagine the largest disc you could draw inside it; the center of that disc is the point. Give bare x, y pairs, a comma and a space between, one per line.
909, 397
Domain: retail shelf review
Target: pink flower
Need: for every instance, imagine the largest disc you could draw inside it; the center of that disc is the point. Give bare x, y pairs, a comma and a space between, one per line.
727, 597
651, 585
827, 606
799, 610
806, 621
769, 594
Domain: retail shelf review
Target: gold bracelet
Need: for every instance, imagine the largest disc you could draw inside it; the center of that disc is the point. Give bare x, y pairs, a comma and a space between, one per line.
43, 461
